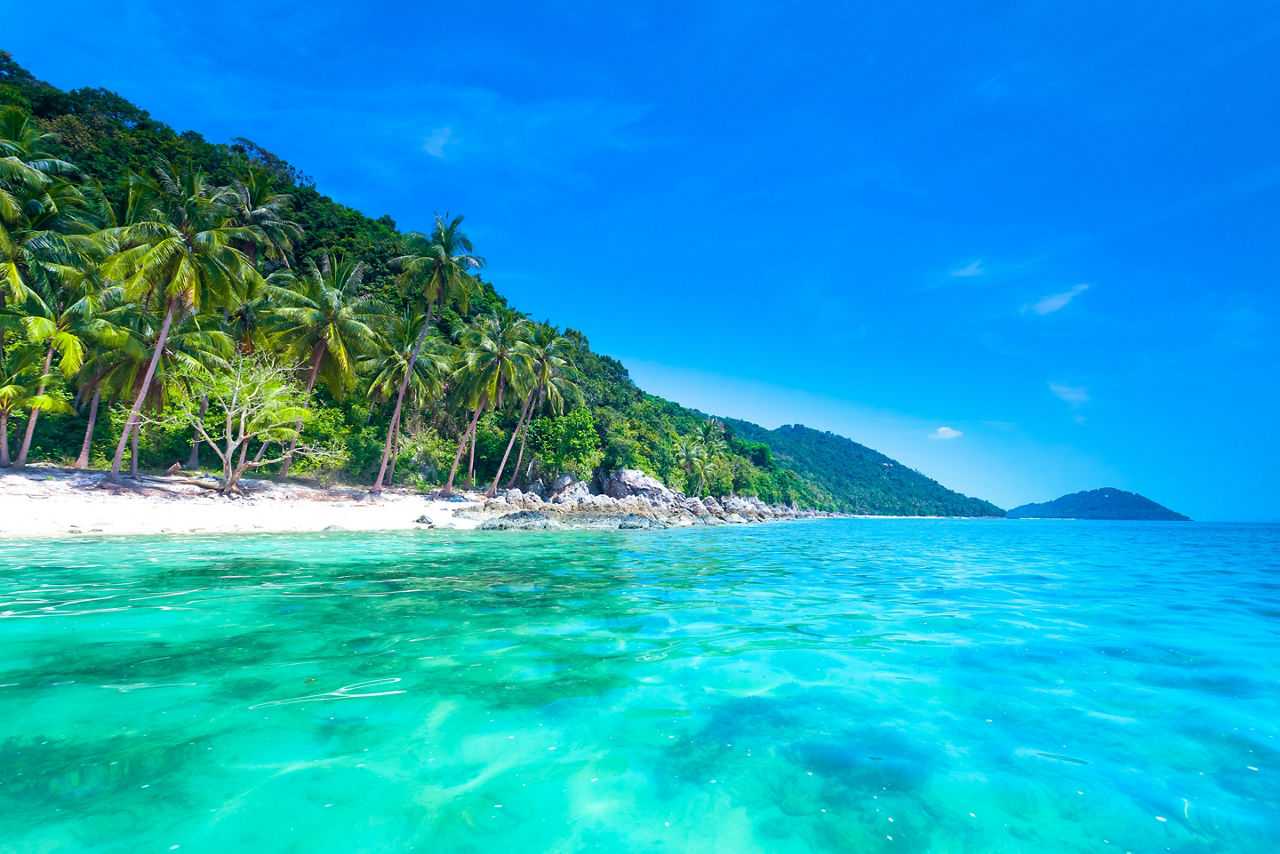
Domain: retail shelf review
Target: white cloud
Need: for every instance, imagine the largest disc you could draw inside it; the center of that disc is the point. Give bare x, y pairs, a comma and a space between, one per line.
1074, 395
436, 142
974, 269
1054, 302
945, 433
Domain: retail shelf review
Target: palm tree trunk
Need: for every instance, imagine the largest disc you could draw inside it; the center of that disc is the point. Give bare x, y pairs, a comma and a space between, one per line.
471, 463
462, 446
4, 439
193, 462
133, 456
395, 455
82, 462
524, 437
35, 413
297, 428
132, 422
493, 488
395, 415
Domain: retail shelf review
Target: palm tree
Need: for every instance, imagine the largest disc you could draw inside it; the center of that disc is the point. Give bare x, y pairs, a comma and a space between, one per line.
63, 314
193, 344
496, 355
436, 269
550, 369
328, 324
181, 251
691, 456
15, 391
254, 203
389, 366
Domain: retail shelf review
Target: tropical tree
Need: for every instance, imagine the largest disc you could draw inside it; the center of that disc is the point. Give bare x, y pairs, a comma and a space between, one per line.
691, 456
253, 203
258, 400
62, 314
17, 371
389, 367
435, 270
495, 356
195, 343
550, 358
328, 325
183, 253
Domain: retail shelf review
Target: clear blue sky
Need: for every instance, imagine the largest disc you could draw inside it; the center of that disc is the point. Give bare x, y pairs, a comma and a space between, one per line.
1050, 228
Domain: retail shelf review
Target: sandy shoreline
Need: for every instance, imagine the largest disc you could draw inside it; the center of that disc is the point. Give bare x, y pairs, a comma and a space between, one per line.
44, 501
41, 502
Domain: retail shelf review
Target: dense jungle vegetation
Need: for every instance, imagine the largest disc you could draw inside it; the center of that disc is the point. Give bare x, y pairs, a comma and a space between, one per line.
168, 299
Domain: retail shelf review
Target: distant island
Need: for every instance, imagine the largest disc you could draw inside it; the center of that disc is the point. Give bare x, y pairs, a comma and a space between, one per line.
1105, 503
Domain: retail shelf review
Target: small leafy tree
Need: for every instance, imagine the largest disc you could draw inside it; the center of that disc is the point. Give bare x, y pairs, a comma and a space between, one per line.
255, 401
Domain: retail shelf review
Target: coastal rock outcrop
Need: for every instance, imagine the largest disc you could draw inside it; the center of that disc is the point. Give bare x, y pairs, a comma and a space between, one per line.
521, 520
625, 483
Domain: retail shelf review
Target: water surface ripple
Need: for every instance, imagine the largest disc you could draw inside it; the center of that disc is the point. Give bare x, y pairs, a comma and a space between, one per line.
841, 685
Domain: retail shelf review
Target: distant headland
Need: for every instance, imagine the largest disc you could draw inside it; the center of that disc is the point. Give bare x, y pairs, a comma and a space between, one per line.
1105, 503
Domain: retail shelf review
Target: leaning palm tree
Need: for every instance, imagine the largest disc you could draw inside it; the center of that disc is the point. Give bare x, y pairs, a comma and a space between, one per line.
195, 343
181, 251
496, 355
18, 369
389, 366
436, 269
328, 325
549, 355
64, 316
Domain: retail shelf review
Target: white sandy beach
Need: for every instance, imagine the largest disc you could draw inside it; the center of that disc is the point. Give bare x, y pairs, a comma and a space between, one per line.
41, 502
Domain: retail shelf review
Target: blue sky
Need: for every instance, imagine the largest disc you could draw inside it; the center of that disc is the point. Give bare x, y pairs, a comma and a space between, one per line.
1049, 228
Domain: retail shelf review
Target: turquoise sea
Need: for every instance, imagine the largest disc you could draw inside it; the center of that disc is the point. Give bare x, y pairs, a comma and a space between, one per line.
837, 685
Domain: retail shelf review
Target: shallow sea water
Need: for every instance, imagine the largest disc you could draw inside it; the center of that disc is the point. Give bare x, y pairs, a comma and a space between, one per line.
841, 685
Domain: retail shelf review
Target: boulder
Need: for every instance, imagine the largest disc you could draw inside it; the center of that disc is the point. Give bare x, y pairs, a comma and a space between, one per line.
713, 506
625, 483
514, 496
521, 520
573, 492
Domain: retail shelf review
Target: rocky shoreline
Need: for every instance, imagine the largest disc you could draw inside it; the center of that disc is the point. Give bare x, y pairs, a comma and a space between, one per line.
626, 500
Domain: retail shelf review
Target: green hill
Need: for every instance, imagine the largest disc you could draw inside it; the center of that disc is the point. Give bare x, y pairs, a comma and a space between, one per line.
864, 481
1105, 503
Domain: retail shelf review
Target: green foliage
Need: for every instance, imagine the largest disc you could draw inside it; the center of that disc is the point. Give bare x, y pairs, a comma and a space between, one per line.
568, 444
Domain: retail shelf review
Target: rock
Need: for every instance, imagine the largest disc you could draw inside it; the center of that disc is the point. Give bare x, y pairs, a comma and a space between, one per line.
632, 522
735, 519
574, 492
604, 502
514, 496
713, 506
696, 507
561, 483
521, 520
424, 519
625, 483
334, 528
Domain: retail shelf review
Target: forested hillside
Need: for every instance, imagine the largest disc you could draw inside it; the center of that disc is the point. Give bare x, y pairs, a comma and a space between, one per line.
148, 271
865, 481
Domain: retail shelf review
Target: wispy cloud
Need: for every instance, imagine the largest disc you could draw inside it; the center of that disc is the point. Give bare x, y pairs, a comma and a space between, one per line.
969, 271
945, 433
1054, 302
436, 142
1072, 394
